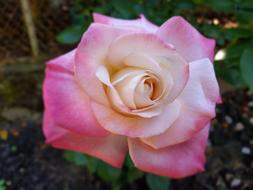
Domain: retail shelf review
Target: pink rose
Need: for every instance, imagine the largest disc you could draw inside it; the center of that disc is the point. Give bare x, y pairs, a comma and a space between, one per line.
131, 85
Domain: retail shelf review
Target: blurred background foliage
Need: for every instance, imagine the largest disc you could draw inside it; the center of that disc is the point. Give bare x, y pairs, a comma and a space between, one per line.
230, 22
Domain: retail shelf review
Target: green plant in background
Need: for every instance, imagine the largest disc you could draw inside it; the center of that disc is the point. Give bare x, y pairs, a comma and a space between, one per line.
117, 178
230, 22
2, 184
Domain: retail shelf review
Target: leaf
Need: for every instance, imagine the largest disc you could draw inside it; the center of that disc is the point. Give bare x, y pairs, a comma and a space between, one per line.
157, 182
134, 174
75, 157
246, 65
221, 5
108, 173
125, 8
70, 35
92, 164
2, 186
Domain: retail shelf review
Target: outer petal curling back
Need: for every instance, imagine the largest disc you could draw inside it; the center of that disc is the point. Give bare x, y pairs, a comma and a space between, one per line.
111, 149
187, 40
65, 101
176, 161
140, 24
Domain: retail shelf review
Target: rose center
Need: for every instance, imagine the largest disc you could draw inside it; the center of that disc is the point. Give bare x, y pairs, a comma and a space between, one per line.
137, 88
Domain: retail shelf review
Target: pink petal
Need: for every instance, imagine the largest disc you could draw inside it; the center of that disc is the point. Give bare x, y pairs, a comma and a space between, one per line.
65, 102
187, 40
176, 161
135, 126
151, 45
91, 53
111, 149
197, 100
140, 24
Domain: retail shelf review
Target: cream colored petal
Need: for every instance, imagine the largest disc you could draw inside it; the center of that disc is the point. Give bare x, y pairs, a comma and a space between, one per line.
103, 75
142, 95
126, 90
124, 73
143, 61
149, 113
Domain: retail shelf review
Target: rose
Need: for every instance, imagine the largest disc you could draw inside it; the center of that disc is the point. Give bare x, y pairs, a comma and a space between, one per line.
132, 85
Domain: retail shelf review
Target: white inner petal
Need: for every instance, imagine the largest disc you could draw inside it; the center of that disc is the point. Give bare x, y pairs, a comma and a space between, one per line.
126, 89
142, 61
134, 90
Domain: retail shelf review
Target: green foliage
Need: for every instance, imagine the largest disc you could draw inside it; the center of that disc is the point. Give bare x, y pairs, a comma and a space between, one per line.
132, 173
115, 177
70, 35
2, 184
75, 157
247, 66
157, 182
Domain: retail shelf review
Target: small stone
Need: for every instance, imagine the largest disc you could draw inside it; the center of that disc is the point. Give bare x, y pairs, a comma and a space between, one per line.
250, 104
251, 120
235, 182
3, 135
245, 150
229, 176
8, 183
239, 126
228, 119
245, 115
15, 113
21, 170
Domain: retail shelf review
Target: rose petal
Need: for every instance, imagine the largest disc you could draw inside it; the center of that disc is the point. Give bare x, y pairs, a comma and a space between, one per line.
111, 149
149, 44
67, 104
121, 91
176, 161
92, 52
140, 24
117, 101
142, 61
142, 95
198, 101
186, 39
135, 126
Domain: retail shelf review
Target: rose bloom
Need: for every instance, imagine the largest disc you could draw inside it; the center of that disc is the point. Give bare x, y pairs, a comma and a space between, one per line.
133, 86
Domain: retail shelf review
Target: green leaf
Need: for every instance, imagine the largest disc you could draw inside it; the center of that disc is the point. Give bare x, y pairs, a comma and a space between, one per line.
2, 186
134, 174
108, 173
123, 7
1, 182
221, 5
70, 35
92, 164
246, 64
157, 182
75, 157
